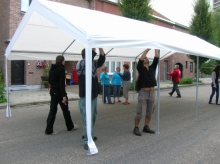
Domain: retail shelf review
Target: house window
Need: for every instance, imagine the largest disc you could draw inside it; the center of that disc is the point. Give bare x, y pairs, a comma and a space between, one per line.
24, 5
112, 66
186, 64
191, 66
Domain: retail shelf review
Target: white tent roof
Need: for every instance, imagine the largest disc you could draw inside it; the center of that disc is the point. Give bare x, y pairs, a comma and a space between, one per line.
48, 28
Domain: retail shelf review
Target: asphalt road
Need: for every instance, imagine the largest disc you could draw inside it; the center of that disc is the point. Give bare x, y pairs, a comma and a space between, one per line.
182, 139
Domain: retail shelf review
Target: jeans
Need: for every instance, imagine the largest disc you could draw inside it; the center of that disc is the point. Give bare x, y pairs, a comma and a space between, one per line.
175, 88
106, 94
55, 99
213, 92
82, 108
117, 89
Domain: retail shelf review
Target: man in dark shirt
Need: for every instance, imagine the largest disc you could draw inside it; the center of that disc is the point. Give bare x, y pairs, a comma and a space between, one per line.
146, 97
80, 67
58, 95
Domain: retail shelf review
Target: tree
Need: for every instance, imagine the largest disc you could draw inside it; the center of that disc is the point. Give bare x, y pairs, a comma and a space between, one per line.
136, 9
201, 26
216, 28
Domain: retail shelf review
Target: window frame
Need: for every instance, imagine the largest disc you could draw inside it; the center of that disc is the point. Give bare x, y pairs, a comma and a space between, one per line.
109, 65
191, 66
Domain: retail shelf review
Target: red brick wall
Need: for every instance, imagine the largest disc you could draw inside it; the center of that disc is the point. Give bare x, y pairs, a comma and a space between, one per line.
174, 59
107, 7
4, 30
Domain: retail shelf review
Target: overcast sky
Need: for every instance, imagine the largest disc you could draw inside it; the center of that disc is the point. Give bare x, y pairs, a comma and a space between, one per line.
180, 11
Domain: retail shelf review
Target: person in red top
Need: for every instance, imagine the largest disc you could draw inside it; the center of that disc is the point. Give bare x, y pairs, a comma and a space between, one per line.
176, 74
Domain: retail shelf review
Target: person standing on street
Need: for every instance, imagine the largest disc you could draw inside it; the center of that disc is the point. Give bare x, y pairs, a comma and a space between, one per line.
58, 95
146, 97
116, 82
215, 85
80, 67
126, 76
105, 82
176, 75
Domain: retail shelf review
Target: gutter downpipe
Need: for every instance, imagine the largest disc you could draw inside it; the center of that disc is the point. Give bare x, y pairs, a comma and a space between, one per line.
8, 109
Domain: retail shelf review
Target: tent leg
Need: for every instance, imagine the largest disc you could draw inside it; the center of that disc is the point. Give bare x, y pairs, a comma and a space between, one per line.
92, 147
158, 97
8, 109
197, 89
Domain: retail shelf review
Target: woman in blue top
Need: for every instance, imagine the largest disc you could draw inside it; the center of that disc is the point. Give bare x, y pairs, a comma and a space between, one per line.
116, 82
104, 78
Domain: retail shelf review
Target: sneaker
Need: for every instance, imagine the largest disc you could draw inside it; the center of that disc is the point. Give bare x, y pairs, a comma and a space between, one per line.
136, 131
170, 94
86, 146
146, 129
178, 96
75, 127
53, 133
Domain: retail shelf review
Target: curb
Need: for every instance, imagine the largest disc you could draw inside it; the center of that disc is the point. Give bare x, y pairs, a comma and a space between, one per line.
36, 102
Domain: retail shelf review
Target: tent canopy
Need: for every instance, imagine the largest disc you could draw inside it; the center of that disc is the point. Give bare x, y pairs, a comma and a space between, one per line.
49, 28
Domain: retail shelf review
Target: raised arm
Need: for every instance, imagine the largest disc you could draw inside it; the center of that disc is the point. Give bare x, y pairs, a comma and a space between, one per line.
101, 51
156, 53
143, 56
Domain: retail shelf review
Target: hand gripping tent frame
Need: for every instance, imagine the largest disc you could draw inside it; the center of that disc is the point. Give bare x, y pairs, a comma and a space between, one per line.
49, 29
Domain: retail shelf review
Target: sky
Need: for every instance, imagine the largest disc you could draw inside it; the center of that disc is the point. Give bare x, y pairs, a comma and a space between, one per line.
180, 11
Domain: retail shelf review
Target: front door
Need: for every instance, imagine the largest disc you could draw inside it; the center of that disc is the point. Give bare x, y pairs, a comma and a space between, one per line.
17, 72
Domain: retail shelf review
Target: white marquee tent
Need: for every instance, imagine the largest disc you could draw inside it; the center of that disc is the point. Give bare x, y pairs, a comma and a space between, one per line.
49, 29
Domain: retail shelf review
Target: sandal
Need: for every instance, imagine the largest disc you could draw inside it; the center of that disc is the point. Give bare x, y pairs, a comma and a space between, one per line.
126, 103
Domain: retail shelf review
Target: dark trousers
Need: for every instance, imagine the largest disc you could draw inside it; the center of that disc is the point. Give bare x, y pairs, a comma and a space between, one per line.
117, 89
55, 99
213, 92
175, 88
106, 94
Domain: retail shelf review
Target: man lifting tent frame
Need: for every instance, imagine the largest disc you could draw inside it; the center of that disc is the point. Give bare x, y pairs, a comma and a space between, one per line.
48, 28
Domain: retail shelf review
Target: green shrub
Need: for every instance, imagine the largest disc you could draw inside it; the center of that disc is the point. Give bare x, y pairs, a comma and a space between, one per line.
2, 89
186, 81
131, 86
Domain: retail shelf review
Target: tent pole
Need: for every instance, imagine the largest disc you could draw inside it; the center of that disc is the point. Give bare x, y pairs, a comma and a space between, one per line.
8, 109
158, 96
108, 51
134, 78
88, 56
197, 90
68, 47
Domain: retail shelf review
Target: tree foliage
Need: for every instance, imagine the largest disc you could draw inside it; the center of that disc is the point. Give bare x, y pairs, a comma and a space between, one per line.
2, 88
216, 28
136, 9
201, 25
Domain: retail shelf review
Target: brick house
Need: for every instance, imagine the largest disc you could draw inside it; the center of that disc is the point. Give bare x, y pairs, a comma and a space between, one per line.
25, 73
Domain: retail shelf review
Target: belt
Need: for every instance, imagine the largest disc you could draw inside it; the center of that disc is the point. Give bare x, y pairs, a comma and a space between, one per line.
148, 89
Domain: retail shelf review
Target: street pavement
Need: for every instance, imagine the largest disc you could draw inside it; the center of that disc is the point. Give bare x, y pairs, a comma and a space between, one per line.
182, 139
